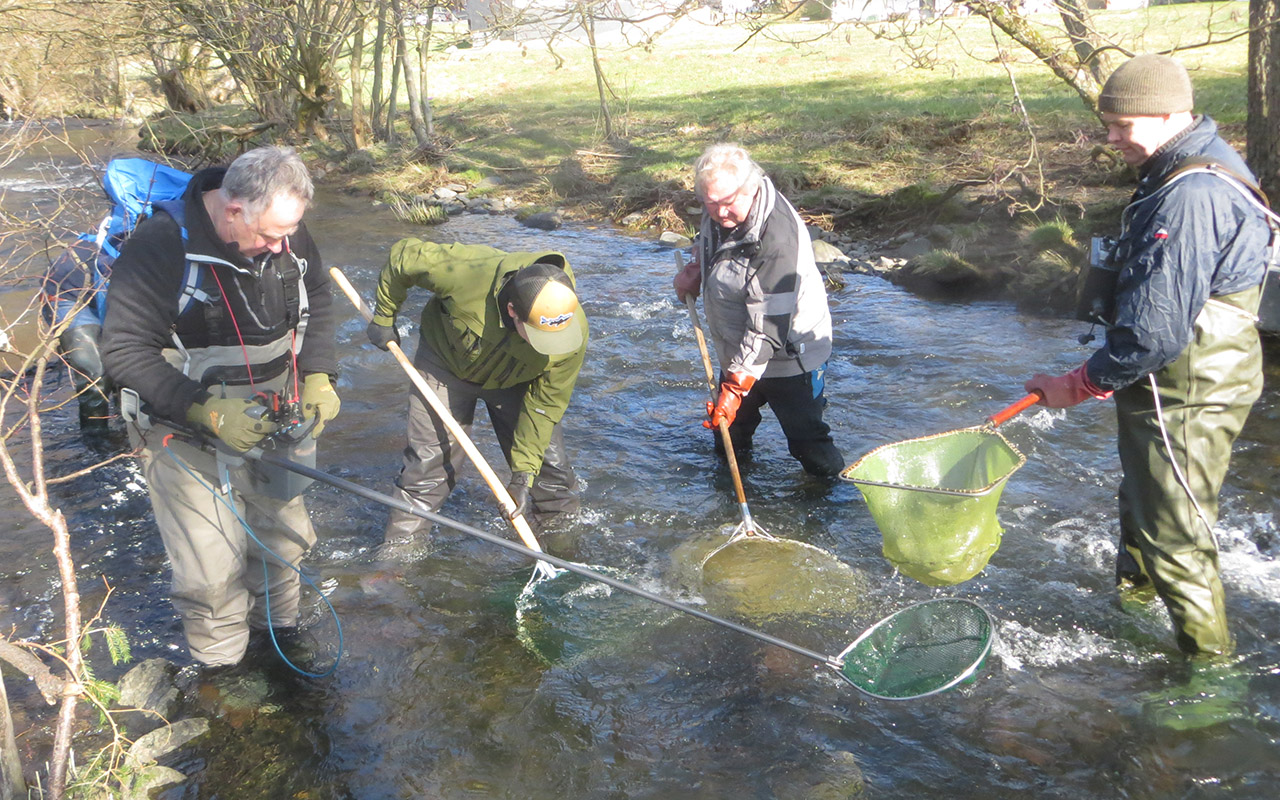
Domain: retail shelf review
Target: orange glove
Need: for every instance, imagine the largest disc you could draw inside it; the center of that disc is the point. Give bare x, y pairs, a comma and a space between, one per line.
1064, 391
731, 393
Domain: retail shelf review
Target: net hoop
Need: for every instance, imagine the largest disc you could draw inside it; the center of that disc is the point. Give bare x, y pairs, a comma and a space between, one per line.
756, 533
963, 613
849, 472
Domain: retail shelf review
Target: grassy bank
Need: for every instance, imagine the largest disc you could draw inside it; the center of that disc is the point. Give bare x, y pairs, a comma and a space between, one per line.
861, 137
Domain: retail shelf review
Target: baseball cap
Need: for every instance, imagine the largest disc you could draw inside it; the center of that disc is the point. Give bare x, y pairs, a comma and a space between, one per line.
544, 300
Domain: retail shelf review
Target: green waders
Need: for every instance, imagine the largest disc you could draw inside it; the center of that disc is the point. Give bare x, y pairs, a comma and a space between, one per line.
1166, 532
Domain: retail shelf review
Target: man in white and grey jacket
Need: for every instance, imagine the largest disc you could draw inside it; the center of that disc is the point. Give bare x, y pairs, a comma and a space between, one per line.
766, 307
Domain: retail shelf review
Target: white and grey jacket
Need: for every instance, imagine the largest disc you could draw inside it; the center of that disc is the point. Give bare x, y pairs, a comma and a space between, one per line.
765, 299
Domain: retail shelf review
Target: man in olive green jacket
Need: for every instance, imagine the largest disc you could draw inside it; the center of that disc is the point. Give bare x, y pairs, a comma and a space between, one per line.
504, 328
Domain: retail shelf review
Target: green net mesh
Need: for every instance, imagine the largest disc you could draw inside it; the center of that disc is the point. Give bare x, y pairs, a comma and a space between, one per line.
761, 579
939, 539
922, 649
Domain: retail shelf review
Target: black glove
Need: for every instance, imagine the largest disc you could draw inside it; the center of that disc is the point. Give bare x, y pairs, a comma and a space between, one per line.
518, 488
382, 335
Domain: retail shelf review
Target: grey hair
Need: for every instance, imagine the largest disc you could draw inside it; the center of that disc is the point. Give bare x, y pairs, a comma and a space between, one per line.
257, 177
726, 159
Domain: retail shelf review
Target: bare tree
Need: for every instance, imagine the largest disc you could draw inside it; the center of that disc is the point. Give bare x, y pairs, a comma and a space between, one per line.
23, 404
584, 20
283, 56
405, 47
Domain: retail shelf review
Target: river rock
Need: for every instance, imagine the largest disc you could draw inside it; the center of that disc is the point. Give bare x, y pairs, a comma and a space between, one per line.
163, 741
148, 779
444, 193
827, 253
837, 778
910, 248
543, 220
148, 692
673, 239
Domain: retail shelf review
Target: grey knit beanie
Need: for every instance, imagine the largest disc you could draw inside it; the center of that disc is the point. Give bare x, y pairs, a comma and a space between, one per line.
1147, 86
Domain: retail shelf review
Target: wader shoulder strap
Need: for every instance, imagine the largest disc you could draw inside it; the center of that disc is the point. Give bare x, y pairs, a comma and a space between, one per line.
1250, 190
297, 303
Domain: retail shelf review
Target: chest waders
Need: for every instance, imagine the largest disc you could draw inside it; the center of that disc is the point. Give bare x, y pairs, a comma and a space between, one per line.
202, 503
247, 371
1175, 433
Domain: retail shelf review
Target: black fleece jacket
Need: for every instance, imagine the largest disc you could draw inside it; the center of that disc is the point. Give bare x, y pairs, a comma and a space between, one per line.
146, 281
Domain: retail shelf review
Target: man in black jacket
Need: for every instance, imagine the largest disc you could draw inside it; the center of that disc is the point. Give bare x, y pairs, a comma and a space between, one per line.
215, 305
1182, 354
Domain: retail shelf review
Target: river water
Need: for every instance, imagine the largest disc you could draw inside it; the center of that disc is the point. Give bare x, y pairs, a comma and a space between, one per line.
436, 696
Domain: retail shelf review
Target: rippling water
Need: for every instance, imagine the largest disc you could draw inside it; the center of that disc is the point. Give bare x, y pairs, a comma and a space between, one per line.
437, 696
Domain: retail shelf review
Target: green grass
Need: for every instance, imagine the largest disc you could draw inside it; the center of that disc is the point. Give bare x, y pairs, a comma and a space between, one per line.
837, 120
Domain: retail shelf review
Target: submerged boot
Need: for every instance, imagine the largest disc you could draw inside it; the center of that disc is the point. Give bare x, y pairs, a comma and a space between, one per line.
1214, 691
407, 538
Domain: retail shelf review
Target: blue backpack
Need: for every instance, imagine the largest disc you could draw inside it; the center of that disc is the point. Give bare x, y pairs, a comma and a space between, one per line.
136, 187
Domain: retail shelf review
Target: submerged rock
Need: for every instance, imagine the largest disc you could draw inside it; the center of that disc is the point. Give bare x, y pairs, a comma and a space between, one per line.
543, 220
163, 741
147, 691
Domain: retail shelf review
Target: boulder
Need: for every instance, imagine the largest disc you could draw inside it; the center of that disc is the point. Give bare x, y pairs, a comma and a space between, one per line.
673, 239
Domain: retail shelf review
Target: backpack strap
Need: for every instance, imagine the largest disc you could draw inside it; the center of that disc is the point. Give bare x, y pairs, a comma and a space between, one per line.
192, 279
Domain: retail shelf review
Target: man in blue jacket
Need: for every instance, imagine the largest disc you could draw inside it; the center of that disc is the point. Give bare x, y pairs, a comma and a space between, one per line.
1182, 354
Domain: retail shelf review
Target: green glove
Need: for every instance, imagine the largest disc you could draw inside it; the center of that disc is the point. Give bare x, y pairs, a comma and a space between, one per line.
239, 422
319, 400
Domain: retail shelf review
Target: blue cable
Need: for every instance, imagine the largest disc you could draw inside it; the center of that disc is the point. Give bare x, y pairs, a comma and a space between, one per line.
266, 578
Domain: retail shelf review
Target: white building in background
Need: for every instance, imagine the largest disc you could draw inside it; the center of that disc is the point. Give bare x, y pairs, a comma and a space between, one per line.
875, 10
540, 18
531, 19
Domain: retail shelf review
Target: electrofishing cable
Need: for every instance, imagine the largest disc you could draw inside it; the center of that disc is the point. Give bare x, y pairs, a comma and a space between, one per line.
265, 575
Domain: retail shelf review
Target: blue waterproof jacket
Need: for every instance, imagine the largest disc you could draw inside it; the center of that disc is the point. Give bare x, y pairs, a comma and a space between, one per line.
1180, 244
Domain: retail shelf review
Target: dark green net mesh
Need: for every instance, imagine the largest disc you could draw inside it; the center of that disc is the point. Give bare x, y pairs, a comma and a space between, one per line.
920, 650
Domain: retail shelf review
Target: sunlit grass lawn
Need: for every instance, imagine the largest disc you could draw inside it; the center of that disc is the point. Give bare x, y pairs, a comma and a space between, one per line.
849, 112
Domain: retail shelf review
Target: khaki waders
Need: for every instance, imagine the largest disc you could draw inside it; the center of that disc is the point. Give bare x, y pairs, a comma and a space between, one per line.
1166, 534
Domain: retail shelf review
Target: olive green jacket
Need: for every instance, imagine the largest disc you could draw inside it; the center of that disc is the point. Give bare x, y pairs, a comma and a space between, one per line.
462, 325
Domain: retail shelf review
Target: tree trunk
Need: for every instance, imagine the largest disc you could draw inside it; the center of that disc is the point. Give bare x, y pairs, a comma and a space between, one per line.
359, 122
1079, 25
424, 58
602, 87
408, 64
379, 58
11, 783
1264, 94
397, 56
